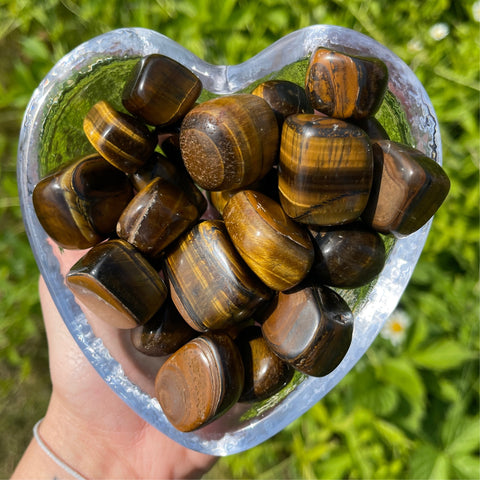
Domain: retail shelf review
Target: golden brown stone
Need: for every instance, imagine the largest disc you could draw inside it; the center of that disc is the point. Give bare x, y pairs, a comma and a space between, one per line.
229, 142
200, 382
121, 139
210, 284
345, 86
277, 249
325, 170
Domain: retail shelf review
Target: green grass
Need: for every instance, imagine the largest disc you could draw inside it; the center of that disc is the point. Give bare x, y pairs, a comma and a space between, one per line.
406, 411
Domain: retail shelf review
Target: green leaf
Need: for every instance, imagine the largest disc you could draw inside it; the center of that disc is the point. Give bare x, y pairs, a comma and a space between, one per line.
466, 466
392, 435
423, 462
444, 354
467, 439
448, 390
35, 49
401, 373
336, 466
440, 468
370, 393
419, 331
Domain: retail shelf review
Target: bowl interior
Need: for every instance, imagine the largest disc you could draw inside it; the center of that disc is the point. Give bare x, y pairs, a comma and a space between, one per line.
52, 135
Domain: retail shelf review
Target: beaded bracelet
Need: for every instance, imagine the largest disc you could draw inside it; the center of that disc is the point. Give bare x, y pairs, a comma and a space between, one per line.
57, 460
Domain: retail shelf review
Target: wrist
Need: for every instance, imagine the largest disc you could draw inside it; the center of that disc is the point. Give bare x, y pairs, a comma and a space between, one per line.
79, 444
57, 462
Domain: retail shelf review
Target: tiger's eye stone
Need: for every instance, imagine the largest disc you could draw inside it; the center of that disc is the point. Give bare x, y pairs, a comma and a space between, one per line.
210, 284
277, 249
156, 216
408, 189
220, 198
229, 142
325, 170
169, 142
347, 256
310, 328
164, 333
160, 90
200, 382
161, 166
265, 373
345, 86
268, 185
79, 205
116, 282
284, 97
373, 128
120, 138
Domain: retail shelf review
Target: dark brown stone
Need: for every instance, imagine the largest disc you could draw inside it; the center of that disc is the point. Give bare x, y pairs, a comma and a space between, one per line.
265, 373
408, 189
79, 205
160, 90
114, 281
310, 328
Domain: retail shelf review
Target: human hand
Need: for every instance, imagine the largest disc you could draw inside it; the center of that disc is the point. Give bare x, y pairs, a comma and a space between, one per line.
91, 429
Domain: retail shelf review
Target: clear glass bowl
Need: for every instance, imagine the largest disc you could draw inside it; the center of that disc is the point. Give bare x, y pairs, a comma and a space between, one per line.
51, 135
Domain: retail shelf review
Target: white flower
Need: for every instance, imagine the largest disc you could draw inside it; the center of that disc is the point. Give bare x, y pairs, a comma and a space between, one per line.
476, 11
415, 45
395, 328
439, 31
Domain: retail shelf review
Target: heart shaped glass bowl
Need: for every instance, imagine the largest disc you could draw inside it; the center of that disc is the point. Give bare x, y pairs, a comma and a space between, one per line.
52, 134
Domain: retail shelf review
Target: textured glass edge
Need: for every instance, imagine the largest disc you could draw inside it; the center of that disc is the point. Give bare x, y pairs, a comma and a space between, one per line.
220, 79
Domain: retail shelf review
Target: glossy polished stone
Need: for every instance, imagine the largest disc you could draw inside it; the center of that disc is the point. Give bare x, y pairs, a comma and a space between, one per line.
164, 333
160, 90
277, 249
210, 284
229, 142
373, 128
268, 185
160, 166
347, 256
200, 382
408, 189
221, 197
121, 139
265, 373
310, 328
114, 281
345, 86
325, 170
284, 97
169, 143
156, 216
79, 205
